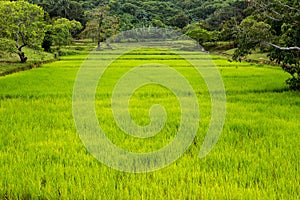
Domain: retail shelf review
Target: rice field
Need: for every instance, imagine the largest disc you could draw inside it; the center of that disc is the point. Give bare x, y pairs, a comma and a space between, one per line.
256, 156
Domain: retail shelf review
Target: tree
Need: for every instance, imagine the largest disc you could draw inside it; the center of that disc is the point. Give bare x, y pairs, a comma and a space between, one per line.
60, 32
49, 6
234, 11
199, 34
76, 12
229, 29
63, 7
101, 25
274, 26
126, 22
180, 20
56, 8
251, 35
63, 29
25, 27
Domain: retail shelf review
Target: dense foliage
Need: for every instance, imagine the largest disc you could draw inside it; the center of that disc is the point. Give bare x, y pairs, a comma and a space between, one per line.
101, 25
271, 26
28, 26
274, 27
139, 13
23, 28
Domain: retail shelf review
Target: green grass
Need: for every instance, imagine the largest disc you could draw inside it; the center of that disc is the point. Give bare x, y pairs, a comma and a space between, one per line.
11, 62
256, 157
255, 56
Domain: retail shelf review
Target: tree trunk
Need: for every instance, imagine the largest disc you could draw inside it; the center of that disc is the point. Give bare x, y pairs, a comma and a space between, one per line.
99, 46
22, 56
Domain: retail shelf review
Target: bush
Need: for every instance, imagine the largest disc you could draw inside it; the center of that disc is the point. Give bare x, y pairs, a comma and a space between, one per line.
294, 83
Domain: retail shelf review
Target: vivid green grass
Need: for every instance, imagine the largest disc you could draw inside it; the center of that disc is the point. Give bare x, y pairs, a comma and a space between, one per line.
10, 62
256, 157
255, 56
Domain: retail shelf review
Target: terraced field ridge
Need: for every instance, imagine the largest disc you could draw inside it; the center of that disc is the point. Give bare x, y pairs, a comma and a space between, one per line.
43, 157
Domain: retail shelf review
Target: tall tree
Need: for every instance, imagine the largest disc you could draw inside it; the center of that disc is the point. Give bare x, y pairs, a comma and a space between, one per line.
25, 27
62, 30
275, 26
101, 25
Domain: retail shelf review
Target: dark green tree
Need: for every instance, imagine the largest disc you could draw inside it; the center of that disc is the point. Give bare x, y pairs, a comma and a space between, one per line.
180, 20
274, 26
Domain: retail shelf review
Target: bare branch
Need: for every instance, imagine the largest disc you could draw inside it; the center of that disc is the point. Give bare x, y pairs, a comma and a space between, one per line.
270, 17
287, 6
271, 10
282, 48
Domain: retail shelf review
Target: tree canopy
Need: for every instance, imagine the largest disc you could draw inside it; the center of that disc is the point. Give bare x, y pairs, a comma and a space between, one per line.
25, 27
101, 24
274, 27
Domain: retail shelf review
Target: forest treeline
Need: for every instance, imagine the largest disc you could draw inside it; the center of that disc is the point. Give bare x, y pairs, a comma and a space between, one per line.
268, 26
157, 13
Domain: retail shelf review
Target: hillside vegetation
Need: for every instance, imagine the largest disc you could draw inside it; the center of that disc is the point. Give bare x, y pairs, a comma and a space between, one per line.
268, 27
